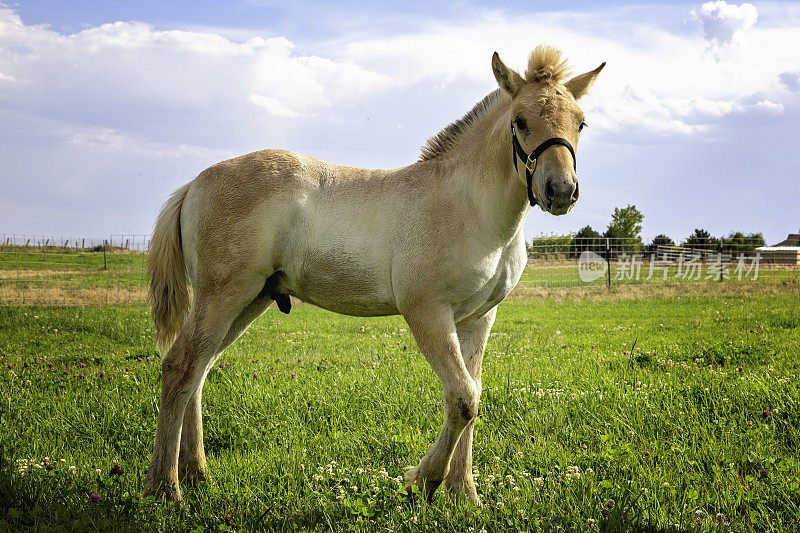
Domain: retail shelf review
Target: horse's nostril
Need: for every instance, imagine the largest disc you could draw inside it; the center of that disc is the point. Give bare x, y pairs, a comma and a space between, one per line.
575, 193
548, 191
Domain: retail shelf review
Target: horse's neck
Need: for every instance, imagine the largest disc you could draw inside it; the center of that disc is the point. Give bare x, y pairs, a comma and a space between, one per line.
491, 182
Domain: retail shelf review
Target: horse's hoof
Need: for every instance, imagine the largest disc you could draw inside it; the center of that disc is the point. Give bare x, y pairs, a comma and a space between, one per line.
192, 476
426, 487
171, 493
466, 491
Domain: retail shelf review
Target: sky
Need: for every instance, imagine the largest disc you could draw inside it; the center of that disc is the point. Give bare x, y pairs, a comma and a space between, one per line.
107, 106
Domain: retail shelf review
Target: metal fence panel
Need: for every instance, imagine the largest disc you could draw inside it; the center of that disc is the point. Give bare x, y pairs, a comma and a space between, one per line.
48, 270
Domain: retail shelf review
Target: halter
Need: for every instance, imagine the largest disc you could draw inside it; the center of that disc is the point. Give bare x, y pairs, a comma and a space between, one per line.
530, 160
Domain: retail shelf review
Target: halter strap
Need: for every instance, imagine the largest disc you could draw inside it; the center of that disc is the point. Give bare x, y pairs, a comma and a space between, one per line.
530, 160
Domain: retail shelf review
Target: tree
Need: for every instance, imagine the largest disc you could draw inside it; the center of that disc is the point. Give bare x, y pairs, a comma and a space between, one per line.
550, 246
625, 229
658, 240
739, 242
701, 239
586, 239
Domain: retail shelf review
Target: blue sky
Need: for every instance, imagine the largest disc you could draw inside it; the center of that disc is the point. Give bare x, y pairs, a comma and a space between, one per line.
107, 106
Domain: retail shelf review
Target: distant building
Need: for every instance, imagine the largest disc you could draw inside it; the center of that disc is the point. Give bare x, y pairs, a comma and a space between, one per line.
786, 252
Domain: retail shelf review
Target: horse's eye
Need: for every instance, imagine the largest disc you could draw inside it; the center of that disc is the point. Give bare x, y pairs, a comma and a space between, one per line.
583, 125
520, 124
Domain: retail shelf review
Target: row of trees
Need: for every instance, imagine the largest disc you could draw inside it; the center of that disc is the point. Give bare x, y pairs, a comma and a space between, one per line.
624, 233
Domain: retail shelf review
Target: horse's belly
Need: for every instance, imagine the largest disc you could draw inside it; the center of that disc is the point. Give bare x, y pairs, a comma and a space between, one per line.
341, 282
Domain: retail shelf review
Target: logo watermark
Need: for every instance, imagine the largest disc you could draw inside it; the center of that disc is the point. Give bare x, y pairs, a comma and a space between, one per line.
591, 266
692, 266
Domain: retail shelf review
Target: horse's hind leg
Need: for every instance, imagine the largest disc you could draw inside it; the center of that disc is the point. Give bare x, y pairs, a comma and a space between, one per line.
183, 369
192, 457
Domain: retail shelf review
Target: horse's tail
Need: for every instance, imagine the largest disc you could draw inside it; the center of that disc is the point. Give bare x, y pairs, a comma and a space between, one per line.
169, 292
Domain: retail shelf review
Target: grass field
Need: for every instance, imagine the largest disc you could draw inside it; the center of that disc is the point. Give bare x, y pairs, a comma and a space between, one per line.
658, 414
64, 276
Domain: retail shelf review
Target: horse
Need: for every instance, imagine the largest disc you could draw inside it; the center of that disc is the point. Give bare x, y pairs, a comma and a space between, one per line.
439, 242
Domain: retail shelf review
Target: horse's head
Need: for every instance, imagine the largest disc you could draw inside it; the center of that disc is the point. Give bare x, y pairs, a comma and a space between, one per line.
546, 122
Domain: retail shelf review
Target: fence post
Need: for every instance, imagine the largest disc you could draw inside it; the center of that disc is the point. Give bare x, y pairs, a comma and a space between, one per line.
608, 261
105, 263
719, 257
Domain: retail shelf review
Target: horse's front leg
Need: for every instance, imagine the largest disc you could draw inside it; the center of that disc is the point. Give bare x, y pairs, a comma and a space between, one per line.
435, 332
472, 336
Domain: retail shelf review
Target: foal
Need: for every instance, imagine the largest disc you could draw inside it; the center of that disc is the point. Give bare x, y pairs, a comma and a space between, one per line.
439, 242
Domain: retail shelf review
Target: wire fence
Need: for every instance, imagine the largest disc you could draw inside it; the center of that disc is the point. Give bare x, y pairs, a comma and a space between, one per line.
605, 262
47, 270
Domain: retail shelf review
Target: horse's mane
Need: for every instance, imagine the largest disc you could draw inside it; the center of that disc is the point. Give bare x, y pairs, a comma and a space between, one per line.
544, 64
445, 139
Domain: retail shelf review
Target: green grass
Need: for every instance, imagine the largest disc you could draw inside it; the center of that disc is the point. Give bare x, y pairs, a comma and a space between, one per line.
642, 397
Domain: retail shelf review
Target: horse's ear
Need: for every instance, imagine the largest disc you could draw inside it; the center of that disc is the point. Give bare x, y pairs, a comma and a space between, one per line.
509, 80
579, 85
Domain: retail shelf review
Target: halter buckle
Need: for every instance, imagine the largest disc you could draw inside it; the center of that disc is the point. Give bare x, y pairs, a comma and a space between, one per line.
530, 162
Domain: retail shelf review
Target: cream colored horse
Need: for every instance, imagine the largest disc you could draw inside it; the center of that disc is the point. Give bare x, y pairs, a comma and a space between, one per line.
439, 242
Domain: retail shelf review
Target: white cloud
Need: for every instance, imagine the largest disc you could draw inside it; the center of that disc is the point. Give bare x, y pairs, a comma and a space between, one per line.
725, 24
113, 141
273, 105
133, 66
790, 80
